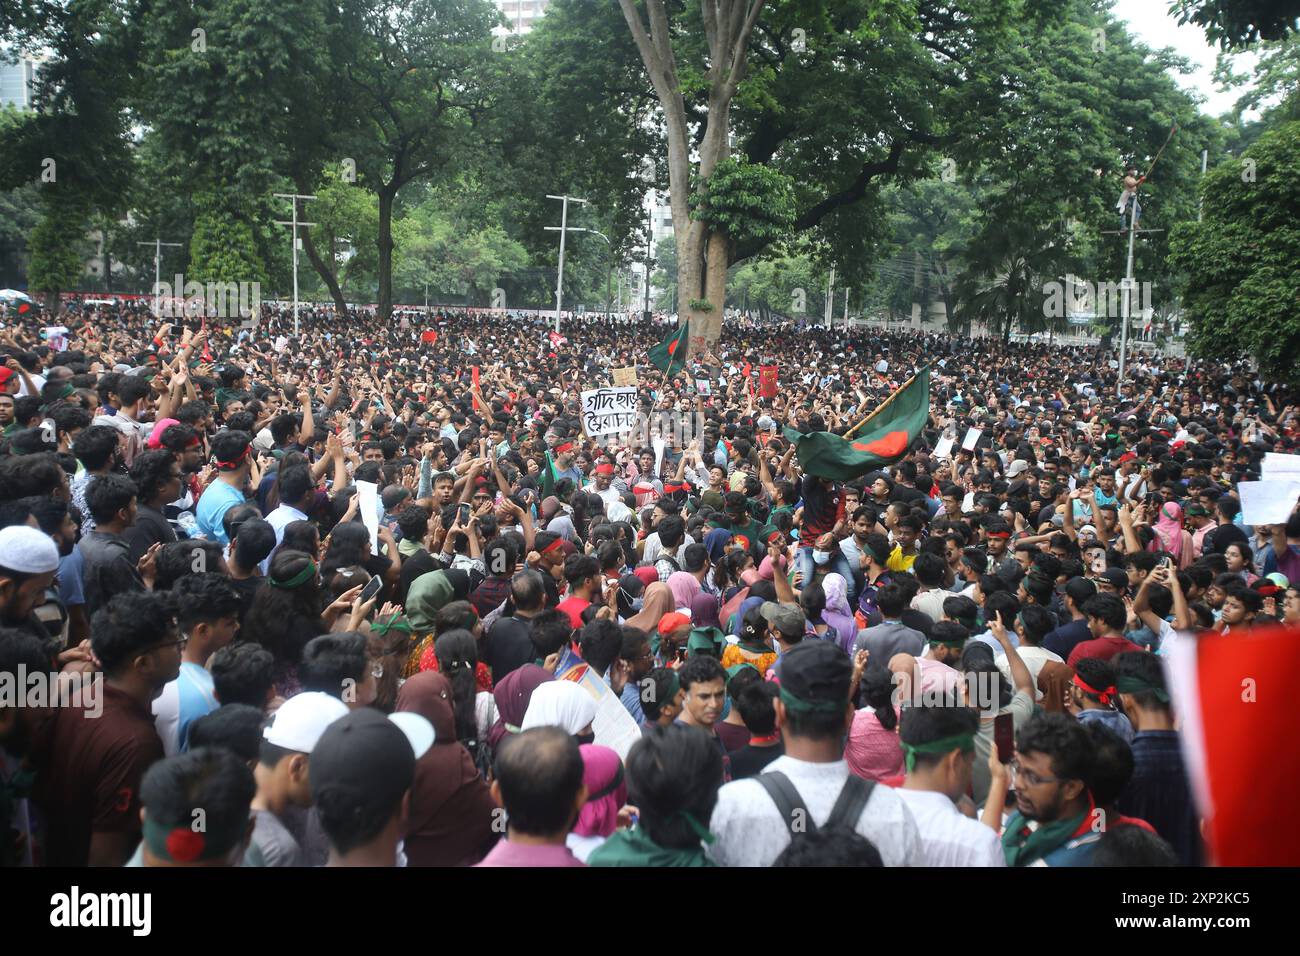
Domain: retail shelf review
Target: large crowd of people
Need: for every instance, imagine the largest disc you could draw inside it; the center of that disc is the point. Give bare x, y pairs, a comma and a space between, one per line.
371, 594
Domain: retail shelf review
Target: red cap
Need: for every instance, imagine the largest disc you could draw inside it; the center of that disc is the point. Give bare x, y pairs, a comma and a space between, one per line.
1127, 456
5, 375
672, 621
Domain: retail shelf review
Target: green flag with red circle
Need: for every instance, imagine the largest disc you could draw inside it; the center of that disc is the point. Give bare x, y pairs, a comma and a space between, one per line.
669, 356
884, 440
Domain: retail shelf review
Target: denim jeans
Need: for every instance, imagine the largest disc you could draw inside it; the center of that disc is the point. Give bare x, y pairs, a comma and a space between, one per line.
804, 563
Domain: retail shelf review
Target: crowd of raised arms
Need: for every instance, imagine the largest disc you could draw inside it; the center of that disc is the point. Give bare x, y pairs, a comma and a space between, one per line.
370, 594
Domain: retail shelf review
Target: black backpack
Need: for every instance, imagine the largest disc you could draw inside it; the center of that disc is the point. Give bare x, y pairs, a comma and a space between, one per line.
848, 806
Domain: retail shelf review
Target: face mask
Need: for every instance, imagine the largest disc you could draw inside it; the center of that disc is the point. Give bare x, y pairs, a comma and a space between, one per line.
821, 557
638, 604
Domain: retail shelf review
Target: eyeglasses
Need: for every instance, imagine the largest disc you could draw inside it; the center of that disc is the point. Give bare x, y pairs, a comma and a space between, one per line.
1029, 777
179, 643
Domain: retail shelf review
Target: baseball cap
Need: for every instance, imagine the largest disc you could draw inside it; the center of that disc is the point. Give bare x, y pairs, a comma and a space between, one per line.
299, 722
765, 424
1278, 578
1194, 510
788, 618
815, 676
369, 758
28, 551
1116, 577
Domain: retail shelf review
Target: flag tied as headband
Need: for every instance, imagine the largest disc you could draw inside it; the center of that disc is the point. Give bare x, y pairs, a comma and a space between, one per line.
888, 435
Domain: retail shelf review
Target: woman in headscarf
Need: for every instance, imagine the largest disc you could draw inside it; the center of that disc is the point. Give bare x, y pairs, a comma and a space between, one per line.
704, 611
715, 543
1170, 536
837, 612
602, 775
449, 822
657, 601
429, 594
563, 704
512, 697
684, 587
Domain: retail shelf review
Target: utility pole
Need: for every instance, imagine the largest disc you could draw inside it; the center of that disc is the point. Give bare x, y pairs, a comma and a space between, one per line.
157, 265
564, 228
846, 308
830, 295
294, 224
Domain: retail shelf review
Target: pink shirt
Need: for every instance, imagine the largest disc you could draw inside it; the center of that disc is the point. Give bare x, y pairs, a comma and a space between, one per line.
872, 752
506, 853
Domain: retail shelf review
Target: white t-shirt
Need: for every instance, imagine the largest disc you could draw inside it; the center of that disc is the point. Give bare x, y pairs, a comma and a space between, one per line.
751, 832
948, 836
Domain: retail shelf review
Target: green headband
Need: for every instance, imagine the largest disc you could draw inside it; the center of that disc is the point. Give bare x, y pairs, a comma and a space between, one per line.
1136, 685
962, 742
801, 706
957, 643
396, 623
697, 828
183, 844
674, 685
302, 577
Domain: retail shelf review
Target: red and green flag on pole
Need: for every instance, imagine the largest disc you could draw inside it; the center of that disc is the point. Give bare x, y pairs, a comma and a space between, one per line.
887, 434
669, 356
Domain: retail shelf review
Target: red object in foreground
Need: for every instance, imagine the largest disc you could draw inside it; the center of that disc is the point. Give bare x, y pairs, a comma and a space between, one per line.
1234, 697
767, 384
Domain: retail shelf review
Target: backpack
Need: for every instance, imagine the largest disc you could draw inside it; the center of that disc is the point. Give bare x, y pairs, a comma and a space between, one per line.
848, 806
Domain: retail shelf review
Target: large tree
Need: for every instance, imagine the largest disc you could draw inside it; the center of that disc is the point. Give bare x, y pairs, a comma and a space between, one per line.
1242, 285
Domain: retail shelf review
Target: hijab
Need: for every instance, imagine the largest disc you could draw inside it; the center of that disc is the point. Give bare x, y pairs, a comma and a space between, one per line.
1169, 529
428, 594
715, 543
560, 703
684, 587
656, 602
512, 696
602, 775
747, 605
704, 610
451, 811
837, 613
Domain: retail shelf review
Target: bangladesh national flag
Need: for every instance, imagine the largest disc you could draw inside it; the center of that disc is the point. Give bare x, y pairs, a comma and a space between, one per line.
884, 439
669, 356
548, 477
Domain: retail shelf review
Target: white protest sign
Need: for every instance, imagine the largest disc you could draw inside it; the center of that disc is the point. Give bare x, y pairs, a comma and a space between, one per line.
1279, 467
972, 438
943, 449
607, 411
368, 505
613, 726
1268, 502
659, 446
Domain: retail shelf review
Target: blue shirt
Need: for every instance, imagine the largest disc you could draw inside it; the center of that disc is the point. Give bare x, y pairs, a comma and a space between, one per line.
217, 499
1159, 793
71, 590
197, 698
631, 698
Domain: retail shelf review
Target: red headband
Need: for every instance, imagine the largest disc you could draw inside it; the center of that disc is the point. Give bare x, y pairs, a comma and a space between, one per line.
552, 546
1102, 695
236, 461
561, 449
998, 534
605, 468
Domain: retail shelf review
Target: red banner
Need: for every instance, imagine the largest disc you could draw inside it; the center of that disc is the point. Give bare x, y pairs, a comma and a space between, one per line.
429, 336
767, 381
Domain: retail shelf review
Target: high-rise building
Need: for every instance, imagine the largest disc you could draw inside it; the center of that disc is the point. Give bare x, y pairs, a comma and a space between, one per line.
17, 82
520, 14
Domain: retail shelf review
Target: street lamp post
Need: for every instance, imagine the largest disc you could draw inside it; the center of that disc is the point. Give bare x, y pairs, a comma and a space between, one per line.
563, 228
157, 265
294, 224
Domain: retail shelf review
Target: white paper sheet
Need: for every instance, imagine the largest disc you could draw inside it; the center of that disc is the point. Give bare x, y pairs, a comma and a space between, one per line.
972, 438
943, 448
368, 505
1268, 502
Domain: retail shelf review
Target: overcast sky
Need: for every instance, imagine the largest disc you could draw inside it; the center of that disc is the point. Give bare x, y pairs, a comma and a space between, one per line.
1150, 20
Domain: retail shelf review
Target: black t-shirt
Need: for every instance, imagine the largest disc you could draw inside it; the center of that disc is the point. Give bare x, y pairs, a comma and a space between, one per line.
749, 761
507, 646
1217, 541
909, 496
247, 588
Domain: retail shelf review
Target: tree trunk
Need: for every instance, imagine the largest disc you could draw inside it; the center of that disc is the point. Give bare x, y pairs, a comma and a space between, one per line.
385, 242
326, 272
